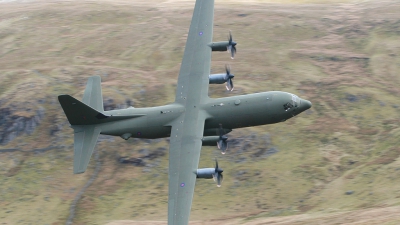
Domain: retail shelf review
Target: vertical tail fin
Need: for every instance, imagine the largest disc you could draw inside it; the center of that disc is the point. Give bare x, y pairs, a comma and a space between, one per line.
93, 96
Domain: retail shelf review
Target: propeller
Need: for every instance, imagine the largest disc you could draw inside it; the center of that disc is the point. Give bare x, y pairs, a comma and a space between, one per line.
231, 45
222, 142
218, 177
228, 78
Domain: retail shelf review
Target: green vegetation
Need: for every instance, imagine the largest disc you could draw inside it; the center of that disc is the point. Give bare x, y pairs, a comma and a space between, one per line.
343, 57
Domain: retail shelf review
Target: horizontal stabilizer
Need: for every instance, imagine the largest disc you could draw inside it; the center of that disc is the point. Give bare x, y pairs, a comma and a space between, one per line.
78, 113
85, 138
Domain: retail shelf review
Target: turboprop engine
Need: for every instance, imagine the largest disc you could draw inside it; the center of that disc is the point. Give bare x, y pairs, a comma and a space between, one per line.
220, 141
208, 173
222, 46
223, 78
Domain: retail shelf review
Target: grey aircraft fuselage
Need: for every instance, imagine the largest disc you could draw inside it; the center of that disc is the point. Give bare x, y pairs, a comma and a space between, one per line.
233, 112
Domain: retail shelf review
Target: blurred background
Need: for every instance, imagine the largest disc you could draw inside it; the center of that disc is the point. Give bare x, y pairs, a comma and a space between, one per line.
336, 163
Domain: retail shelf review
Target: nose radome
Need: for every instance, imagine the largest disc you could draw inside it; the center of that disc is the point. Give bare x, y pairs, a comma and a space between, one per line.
305, 104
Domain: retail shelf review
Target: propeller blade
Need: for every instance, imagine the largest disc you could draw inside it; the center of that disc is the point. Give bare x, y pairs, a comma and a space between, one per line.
227, 72
231, 45
219, 180
221, 131
229, 85
222, 145
228, 69
222, 142
228, 78
219, 144
218, 174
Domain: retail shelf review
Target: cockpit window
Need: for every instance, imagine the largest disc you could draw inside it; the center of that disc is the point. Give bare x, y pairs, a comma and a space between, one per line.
294, 103
296, 100
287, 106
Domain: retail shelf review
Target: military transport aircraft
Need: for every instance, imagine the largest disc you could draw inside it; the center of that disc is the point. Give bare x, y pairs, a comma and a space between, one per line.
193, 120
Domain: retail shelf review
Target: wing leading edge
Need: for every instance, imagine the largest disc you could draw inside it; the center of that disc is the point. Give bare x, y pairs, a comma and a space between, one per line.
187, 130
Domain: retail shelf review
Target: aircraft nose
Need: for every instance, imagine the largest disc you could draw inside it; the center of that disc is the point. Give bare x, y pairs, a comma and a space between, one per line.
305, 104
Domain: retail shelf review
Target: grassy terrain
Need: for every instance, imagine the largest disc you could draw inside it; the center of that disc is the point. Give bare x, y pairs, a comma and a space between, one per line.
341, 55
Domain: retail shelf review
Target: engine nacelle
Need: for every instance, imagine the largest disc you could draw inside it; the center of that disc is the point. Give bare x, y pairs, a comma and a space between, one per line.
210, 141
215, 131
206, 173
217, 78
221, 46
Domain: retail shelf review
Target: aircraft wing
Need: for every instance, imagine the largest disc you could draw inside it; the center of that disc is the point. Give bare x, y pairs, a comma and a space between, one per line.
187, 130
193, 78
184, 155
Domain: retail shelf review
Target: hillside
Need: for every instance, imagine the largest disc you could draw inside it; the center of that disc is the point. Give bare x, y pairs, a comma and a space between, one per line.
338, 162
